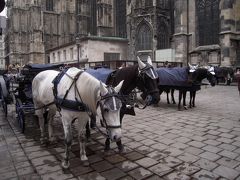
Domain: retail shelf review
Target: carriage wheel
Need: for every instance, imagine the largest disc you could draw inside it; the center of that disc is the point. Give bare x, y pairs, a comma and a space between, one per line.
3, 103
20, 115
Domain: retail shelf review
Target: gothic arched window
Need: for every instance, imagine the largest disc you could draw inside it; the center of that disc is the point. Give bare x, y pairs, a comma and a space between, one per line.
144, 37
208, 21
163, 36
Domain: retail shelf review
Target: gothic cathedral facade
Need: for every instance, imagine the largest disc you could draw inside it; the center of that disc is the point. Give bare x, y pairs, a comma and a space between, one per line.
186, 31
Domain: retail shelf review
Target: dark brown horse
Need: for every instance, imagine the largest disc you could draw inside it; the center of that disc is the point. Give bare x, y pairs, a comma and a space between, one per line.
141, 76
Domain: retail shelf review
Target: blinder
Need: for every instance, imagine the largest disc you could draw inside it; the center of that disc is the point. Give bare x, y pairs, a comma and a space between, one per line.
109, 102
149, 71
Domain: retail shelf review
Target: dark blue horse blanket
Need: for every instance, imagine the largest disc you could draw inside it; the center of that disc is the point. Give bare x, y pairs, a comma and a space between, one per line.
101, 73
173, 77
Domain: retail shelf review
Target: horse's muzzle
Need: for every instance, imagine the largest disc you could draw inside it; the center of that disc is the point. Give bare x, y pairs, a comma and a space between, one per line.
150, 99
115, 134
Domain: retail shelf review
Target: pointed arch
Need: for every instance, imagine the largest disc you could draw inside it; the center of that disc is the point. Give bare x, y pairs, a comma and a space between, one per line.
144, 37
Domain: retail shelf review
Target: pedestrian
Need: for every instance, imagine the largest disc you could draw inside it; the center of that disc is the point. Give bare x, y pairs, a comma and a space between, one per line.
237, 75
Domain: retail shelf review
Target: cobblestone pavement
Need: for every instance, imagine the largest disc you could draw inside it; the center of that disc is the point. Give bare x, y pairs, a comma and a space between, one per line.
161, 143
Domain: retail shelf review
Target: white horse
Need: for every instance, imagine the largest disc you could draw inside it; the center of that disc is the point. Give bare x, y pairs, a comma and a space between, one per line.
81, 87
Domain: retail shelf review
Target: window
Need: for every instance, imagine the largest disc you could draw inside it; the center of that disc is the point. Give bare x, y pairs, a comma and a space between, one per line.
54, 58
71, 54
111, 56
64, 55
208, 21
49, 5
59, 56
121, 29
144, 37
162, 35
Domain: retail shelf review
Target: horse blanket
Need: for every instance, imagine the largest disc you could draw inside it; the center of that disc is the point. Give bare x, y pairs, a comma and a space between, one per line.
173, 77
101, 73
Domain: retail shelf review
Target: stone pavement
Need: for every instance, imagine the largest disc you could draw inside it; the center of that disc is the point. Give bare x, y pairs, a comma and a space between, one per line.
161, 143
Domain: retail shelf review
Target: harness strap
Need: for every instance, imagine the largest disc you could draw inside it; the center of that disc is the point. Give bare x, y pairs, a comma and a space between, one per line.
44, 106
63, 102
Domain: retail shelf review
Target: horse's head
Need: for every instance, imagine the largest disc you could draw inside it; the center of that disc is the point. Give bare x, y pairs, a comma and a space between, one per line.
192, 68
148, 81
109, 106
199, 74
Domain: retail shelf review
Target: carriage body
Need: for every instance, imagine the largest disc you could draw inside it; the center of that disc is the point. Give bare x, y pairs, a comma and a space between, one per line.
22, 91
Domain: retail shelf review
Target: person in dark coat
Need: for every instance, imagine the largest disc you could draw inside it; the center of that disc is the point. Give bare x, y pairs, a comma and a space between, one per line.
238, 79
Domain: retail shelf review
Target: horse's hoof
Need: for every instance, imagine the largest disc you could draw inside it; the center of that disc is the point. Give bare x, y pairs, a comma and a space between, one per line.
65, 165
107, 148
185, 107
122, 150
43, 141
53, 140
85, 163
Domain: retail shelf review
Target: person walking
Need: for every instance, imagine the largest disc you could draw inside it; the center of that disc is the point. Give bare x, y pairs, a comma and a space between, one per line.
238, 79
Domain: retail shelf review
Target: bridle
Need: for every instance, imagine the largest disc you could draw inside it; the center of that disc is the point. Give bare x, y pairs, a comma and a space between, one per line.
112, 93
143, 73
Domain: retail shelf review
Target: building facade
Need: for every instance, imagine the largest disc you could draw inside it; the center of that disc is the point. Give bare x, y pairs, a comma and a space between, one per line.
112, 50
2, 43
35, 26
184, 31
194, 31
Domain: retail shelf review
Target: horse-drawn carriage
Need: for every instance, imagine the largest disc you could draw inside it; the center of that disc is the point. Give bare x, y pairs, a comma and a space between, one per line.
17, 88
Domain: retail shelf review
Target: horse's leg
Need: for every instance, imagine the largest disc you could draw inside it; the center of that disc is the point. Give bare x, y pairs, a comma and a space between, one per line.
179, 100
172, 95
190, 100
68, 140
93, 121
50, 117
81, 137
160, 92
39, 113
184, 99
167, 91
119, 143
193, 100
88, 131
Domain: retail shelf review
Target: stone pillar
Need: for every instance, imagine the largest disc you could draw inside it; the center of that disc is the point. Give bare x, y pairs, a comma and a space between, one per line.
180, 35
230, 18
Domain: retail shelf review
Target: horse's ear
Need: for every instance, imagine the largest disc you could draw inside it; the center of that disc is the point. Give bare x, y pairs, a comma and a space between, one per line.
141, 65
190, 65
103, 90
119, 86
149, 60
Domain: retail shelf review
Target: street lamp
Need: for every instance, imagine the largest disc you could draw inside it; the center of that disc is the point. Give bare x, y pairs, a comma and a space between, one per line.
78, 45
